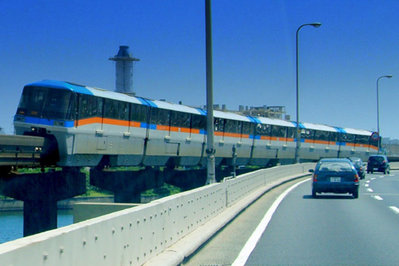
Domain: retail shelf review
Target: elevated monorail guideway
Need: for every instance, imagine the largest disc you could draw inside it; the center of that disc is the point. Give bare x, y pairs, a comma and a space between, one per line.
18, 150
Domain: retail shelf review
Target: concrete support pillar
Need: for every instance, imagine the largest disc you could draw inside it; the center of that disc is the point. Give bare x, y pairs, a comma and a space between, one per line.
40, 193
39, 215
186, 179
126, 185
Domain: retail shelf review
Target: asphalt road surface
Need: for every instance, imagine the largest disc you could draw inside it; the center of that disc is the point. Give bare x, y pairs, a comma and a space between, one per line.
330, 230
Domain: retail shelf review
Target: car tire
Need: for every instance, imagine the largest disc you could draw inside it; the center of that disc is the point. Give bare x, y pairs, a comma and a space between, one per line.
355, 194
314, 194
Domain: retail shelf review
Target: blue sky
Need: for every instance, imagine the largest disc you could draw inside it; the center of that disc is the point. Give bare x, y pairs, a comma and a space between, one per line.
253, 52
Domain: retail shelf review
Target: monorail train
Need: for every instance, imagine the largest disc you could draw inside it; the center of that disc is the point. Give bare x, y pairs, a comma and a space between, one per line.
90, 127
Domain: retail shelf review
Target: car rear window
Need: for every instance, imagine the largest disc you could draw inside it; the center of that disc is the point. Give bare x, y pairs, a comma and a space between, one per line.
377, 159
335, 167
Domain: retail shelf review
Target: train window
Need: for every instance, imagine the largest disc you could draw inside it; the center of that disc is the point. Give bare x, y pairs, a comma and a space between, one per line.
247, 128
347, 138
71, 113
46, 103
362, 139
219, 124
123, 108
291, 132
116, 109
89, 106
111, 109
263, 129
32, 100
139, 113
333, 136
232, 126
57, 103
160, 116
180, 119
321, 135
307, 134
278, 131
198, 121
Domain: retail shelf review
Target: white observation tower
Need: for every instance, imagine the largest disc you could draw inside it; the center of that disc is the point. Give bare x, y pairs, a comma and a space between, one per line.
124, 70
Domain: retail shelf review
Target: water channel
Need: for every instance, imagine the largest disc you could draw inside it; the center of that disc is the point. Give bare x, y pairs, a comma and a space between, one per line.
12, 223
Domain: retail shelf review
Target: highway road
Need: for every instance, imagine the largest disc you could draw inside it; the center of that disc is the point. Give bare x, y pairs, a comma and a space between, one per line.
330, 230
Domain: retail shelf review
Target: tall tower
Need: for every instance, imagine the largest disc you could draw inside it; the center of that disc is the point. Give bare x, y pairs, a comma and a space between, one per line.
124, 70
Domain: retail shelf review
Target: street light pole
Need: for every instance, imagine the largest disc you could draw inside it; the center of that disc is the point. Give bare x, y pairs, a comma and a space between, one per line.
210, 148
298, 132
378, 111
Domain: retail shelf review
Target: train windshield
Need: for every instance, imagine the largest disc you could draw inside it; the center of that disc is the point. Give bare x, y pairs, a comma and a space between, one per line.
46, 103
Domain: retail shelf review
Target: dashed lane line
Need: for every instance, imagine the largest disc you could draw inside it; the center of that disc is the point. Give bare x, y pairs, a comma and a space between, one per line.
394, 209
377, 197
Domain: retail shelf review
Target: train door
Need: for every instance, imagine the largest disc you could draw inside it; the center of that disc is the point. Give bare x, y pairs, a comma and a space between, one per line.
197, 138
157, 150
246, 142
333, 145
262, 150
291, 145
180, 143
88, 140
308, 150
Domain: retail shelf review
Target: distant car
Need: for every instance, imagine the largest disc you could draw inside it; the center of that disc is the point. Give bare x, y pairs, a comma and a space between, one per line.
336, 175
378, 163
359, 165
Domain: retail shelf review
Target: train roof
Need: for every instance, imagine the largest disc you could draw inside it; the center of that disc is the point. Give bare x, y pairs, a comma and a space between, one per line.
175, 107
273, 121
319, 127
233, 116
87, 90
357, 131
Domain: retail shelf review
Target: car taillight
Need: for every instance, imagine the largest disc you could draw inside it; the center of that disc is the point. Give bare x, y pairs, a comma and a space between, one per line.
356, 178
314, 178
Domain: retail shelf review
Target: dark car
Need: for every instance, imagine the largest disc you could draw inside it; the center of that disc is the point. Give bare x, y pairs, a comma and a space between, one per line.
335, 175
378, 163
359, 165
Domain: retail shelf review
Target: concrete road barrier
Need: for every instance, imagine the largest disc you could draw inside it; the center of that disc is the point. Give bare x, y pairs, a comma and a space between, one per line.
160, 232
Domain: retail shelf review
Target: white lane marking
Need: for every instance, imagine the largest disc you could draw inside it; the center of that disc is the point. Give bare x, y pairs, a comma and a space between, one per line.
377, 197
370, 190
373, 178
254, 238
394, 209
366, 185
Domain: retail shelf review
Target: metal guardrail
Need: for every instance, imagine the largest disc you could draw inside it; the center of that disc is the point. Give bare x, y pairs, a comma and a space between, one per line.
147, 233
16, 150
